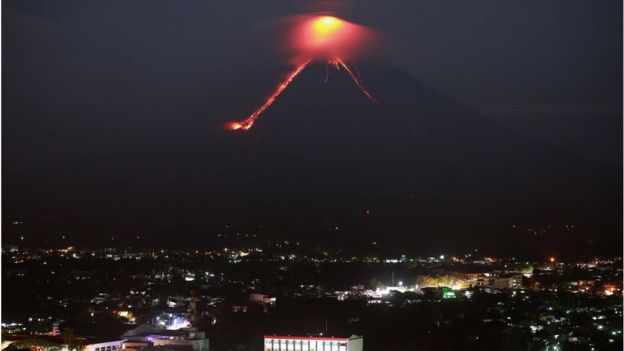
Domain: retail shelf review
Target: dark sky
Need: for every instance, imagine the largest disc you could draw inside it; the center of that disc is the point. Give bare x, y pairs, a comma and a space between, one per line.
104, 100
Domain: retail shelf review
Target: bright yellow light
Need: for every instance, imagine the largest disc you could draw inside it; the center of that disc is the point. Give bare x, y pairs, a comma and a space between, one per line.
326, 25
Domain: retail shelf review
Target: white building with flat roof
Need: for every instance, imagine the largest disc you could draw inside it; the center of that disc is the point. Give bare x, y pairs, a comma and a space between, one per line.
306, 343
104, 345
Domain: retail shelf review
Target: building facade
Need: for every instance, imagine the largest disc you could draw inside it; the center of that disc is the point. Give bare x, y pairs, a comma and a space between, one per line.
304, 343
509, 282
112, 345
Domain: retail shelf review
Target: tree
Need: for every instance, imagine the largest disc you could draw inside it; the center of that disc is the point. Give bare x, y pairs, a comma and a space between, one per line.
73, 343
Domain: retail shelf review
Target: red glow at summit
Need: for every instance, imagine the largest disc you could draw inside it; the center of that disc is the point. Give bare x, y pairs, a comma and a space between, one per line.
321, 38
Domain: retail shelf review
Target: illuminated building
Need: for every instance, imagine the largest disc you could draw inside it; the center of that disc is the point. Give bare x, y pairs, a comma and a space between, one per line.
101, 345
146, 335
447, 293
512, 281
304, 343
56, 331
90, 344
508, 282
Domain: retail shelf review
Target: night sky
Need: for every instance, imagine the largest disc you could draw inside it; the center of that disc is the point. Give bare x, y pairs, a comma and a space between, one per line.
491, 114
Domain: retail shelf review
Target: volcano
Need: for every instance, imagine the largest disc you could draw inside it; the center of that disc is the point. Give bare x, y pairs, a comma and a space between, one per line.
414, 168
419, 161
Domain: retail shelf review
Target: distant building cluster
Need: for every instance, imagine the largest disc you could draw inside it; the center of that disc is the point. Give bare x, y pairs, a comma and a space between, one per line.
169, 300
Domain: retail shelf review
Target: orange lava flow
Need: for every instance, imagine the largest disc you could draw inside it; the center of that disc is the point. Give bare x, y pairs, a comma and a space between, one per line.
249, 122
338, 61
